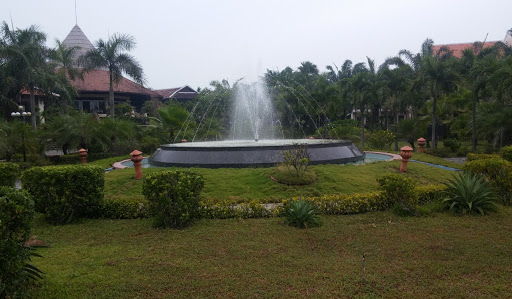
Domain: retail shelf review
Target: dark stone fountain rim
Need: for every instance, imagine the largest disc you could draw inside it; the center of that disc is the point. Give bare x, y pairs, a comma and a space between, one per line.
229, 154
249, 145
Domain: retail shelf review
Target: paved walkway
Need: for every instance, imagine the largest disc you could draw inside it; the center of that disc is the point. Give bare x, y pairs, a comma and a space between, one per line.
458, 160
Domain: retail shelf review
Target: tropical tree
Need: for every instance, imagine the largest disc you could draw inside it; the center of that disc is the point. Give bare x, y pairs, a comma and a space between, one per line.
25, 55
395, 84
360, 88
439, 77
172, 117
111, 55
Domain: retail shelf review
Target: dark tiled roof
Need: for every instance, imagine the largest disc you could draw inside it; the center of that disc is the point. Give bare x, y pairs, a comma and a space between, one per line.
77, 38
184, 93
457, 49
166, 93
99, 81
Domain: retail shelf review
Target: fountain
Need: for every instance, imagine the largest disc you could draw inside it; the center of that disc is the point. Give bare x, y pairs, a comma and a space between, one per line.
252, 140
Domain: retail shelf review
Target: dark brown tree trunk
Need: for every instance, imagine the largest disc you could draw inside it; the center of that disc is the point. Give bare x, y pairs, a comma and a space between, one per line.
362, 123
395, 116
434, 120
111, 97
475, 99
33, 106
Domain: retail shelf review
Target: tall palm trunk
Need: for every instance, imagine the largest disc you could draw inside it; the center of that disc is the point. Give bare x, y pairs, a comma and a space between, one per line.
33, 106
395, 129
434, 120
362, 123
475, 99
111, 97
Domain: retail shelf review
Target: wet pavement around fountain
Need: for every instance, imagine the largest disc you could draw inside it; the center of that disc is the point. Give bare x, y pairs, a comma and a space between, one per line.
370, 158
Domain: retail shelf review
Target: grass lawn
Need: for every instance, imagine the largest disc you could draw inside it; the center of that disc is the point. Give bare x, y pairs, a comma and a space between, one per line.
428, 257
246, 184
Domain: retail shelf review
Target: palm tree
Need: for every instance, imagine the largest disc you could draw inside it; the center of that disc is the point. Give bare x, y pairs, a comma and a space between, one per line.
439, 77
358, 84
111, 56
396, 82
25, 61
172, 117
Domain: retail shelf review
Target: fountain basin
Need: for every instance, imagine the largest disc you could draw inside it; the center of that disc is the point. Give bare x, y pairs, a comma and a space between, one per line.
247, 153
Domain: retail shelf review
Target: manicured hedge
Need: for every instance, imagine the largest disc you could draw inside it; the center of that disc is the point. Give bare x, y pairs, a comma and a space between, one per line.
473, 157
336, 204
124, 209
173, 196
430, 193
9, 172
229, 209
65, 193
498, 171
506, 153
16, 214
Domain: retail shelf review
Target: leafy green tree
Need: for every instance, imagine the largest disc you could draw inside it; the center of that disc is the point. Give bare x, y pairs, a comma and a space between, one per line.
172, 117
439, 76
111, 55
25, 55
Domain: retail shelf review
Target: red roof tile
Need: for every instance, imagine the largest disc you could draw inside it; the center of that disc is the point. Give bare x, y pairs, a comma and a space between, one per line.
457, 49
98, 81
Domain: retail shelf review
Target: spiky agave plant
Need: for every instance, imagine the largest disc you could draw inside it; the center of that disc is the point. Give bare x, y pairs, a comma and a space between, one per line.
469, 194
301, 213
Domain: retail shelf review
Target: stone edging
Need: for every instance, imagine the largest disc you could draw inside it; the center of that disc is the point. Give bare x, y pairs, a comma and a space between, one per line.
393, 156
118, 165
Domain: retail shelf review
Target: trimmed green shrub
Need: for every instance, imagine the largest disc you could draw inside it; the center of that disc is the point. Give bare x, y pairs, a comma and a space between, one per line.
16, 214
381, 139
498, 172
400, 191
506, 153
230, 209
65, 193
124, 209
301, 213
9, 172
335, 204
452, 144
473, 156
469, 194
430, 193
340, 204
173, 197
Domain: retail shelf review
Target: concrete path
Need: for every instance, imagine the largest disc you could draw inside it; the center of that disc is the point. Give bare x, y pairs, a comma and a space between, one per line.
458, 160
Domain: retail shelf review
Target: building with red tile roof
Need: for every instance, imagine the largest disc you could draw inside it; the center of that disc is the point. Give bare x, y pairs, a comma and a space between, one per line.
181, 94
93, 88
457, 49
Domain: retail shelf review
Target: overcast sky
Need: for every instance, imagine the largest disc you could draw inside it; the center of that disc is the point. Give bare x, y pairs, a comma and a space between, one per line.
193, 42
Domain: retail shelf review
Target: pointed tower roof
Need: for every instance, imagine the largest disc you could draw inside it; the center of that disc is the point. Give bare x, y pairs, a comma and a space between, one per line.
77, 38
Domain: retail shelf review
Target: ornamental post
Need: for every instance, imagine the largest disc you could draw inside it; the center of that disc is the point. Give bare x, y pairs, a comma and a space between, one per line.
136, 157
406, 154
82, 153
421, 144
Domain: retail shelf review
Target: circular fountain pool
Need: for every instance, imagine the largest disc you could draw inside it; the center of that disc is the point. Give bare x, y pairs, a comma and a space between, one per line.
246, 153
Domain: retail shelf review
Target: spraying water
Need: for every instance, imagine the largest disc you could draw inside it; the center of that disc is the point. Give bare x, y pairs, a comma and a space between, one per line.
253, 113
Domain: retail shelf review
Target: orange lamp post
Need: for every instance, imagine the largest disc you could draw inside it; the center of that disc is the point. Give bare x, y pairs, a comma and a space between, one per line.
406, 154
421, 144
82, 153
136, 157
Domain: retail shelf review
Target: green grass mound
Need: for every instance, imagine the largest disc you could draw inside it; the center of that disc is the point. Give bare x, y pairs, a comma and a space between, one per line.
286, 176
